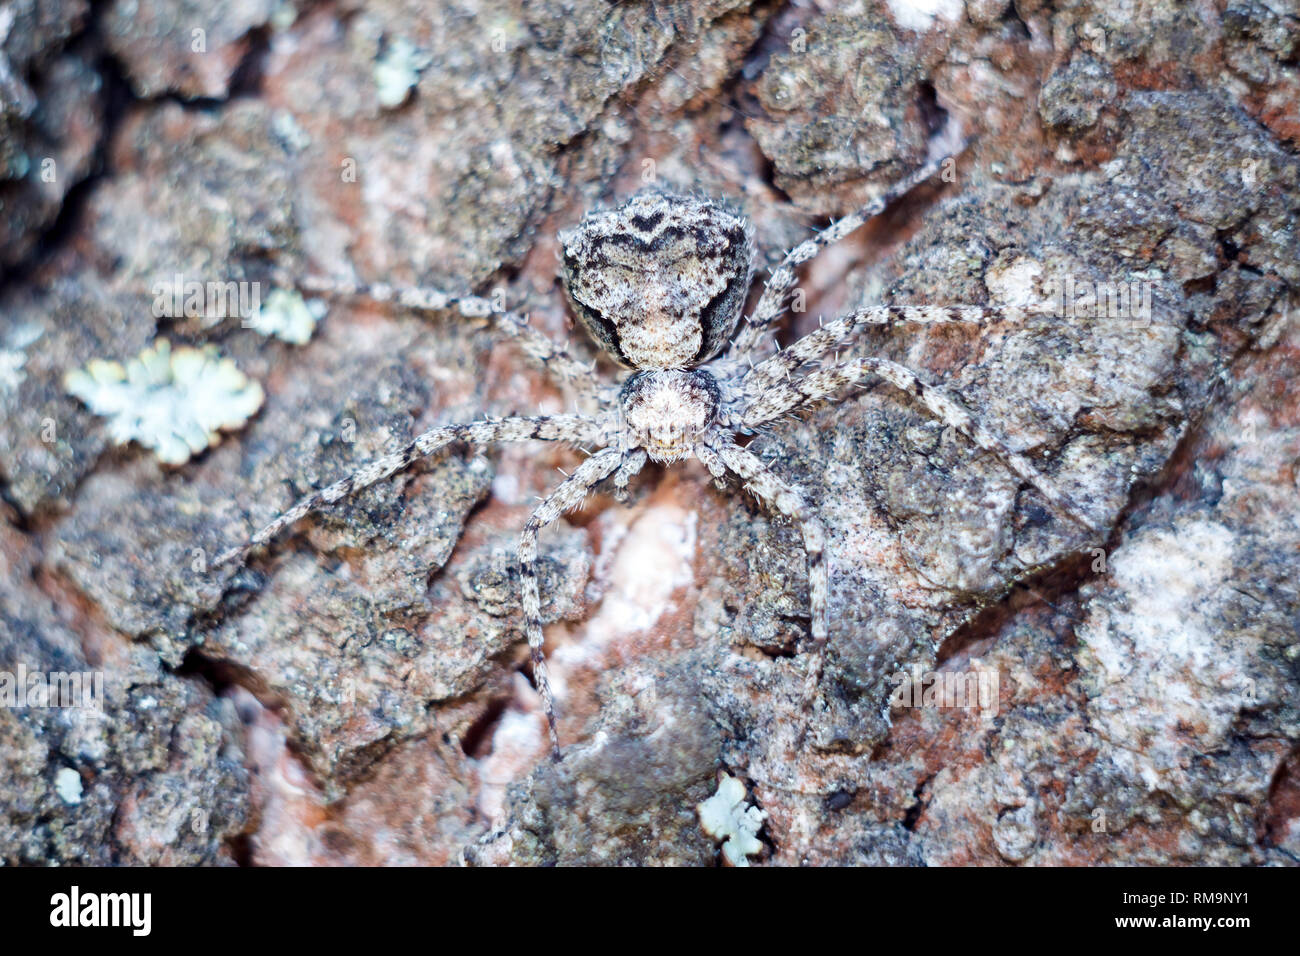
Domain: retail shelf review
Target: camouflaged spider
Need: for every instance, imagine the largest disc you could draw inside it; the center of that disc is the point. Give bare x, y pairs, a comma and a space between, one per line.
660, 283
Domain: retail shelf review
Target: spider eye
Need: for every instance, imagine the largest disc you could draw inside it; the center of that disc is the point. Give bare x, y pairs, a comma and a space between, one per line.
660, 281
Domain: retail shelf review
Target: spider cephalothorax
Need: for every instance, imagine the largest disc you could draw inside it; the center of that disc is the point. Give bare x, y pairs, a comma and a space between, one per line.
660, 283
669, 412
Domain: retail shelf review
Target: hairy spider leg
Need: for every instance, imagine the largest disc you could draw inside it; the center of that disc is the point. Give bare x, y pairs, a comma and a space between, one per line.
569, 495
772, 301
840, 332
553, 356
788, 396
566, 428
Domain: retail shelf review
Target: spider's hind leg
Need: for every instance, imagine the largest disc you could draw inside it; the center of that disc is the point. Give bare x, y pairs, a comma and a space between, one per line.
569, 495
782, 279
550, 355
839, 332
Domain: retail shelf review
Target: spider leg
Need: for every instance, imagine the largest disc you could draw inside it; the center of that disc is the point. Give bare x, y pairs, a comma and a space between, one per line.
777, 494
549, 354
632, 463
784, 397
835, 333
772, 302
714, 463
569, 428
569, 495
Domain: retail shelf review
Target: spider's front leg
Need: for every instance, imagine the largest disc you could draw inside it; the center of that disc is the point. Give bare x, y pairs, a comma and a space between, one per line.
567, 428
629, 467
783, 397
569, 495
723, 455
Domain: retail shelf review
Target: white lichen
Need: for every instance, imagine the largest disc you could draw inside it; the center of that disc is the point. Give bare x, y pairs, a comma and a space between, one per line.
397, 71
11, 369
287, 316
67, 783
726, 816
13, 358
919, 15
176, 403
289, 131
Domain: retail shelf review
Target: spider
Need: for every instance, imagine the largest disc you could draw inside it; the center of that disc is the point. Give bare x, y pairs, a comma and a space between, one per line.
660, 283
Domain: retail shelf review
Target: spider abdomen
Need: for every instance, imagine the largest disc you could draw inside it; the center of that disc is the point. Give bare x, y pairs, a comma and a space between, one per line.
660, 281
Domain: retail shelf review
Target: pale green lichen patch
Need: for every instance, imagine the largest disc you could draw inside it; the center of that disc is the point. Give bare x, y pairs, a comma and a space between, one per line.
726, 816
287, 316
13, 358
397, 71
11, 369
68, 784
175, 402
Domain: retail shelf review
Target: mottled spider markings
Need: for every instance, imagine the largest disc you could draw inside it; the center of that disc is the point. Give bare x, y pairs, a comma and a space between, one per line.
680, 312
660, 283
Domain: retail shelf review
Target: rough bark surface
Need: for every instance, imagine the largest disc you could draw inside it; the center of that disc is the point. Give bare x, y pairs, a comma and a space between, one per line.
359, 692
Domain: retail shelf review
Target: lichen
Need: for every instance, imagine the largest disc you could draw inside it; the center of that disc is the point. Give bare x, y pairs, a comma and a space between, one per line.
68, 784
287, 316
727, 817
11, 369
397, 71
175, 403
